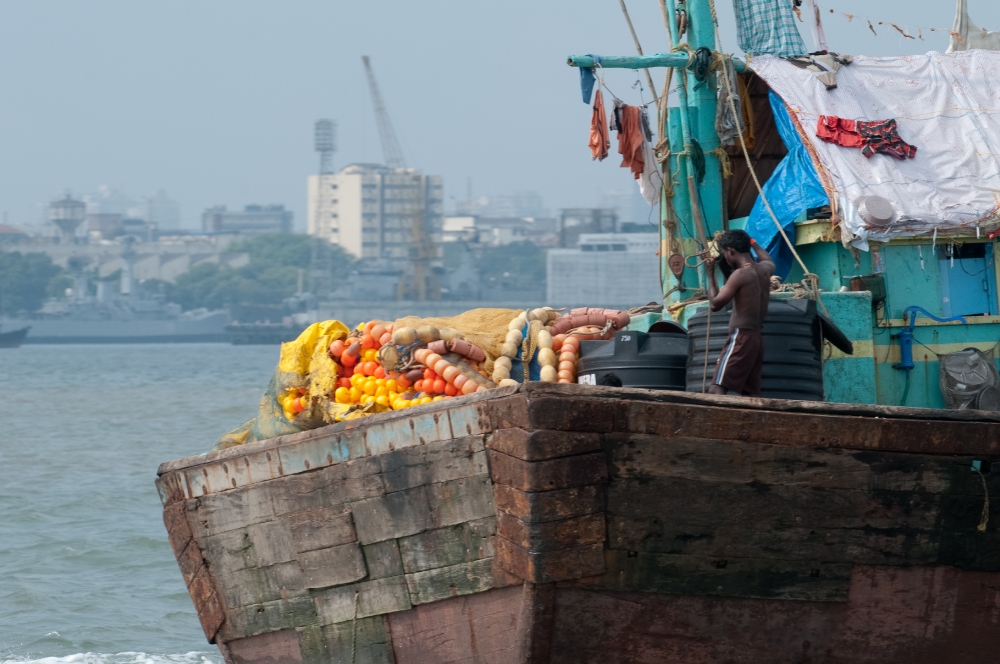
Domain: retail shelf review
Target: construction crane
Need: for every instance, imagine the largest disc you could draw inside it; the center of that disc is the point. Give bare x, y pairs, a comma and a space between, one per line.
418, 281
387, 135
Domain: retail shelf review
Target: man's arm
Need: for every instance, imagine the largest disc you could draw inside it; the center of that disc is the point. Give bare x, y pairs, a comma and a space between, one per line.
718, 298
762, 256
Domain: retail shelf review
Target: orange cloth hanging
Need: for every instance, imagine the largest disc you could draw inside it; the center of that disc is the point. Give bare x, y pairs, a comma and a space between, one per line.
630, 140
599, 141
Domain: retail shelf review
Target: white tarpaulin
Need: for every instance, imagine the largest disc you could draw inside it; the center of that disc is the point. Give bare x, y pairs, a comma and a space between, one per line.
947, 105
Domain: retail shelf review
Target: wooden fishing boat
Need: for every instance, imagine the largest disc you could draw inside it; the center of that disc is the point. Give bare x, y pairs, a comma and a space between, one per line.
570, 523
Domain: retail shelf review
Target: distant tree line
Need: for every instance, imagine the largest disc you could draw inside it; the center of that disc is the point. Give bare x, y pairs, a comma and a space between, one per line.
271, 275
27, 280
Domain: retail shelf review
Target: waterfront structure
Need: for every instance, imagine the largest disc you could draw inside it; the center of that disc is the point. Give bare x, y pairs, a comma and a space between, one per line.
67, 214
574, 221
369, 209
605, 269
252, 219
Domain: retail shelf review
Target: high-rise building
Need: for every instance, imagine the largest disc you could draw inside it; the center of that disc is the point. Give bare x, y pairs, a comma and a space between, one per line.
369, 209
251, 219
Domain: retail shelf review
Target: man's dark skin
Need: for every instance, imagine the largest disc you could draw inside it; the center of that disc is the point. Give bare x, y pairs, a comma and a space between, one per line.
749, 285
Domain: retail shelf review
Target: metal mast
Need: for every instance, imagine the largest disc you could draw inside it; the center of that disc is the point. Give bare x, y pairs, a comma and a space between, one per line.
320, 263
387, 135
326, 144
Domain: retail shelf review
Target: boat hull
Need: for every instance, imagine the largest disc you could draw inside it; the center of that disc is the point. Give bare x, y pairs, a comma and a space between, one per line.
207, 328
584, 524
14, 338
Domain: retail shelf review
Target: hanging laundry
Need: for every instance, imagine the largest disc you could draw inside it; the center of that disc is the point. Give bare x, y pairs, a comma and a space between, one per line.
767, 27
587, 79
815, 25
728, 126
599, 141
651, 180
824, 65
630, 139
646, 131
966, 34
880, 137
616, 124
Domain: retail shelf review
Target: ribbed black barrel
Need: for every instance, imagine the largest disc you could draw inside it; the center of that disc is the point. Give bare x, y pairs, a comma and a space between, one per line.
654, 360
793, 364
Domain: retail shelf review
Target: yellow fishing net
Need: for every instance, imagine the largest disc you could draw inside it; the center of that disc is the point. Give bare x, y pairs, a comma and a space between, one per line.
304, 365
485, 328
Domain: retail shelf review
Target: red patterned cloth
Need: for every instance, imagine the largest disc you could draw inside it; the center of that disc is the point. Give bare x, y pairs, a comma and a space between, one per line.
880, 137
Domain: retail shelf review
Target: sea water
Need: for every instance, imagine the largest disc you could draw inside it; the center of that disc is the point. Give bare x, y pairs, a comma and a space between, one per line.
86, 572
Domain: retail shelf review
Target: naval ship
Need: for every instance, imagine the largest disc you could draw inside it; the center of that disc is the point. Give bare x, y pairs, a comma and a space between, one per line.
116, 317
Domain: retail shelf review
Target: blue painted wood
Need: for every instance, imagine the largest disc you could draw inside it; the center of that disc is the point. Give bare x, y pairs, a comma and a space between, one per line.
678, 60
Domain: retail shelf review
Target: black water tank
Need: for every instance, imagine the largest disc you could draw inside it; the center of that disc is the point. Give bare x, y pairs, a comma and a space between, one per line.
793, 343
654, 360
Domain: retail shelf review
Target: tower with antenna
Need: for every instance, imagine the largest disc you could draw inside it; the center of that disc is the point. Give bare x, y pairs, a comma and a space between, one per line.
326, 144
320, 263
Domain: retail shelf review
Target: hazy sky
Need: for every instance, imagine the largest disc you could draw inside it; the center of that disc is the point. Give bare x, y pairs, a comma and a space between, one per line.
214, 100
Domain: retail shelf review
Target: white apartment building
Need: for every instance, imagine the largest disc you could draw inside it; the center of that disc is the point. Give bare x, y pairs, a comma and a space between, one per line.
619, 270
369, 209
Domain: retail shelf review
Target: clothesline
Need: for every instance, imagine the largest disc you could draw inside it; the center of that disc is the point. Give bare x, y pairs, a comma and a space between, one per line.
899, 27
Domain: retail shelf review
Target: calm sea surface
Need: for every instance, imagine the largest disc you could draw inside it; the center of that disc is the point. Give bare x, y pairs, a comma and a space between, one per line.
86, 573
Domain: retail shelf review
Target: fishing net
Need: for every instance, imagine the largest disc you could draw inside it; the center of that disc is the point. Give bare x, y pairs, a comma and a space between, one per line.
485, 328
304, 370
969, 379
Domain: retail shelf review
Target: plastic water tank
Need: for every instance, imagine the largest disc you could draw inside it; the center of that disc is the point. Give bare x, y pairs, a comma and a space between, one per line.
654, 360
793, 343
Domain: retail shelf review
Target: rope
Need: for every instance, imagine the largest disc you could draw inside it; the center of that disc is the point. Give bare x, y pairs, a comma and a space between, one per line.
986, 504
354, 628
708, 332
649, 78
809, 278
723, 157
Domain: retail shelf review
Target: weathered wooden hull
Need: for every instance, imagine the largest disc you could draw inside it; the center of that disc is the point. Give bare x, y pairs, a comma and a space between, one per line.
576, 524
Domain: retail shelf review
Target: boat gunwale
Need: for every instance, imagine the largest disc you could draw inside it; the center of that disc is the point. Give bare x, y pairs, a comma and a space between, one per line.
539, 390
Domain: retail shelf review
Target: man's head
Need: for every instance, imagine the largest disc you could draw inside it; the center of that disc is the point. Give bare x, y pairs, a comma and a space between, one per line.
732, 246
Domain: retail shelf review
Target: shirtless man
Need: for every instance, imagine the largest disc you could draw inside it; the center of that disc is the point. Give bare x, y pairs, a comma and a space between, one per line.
742, 358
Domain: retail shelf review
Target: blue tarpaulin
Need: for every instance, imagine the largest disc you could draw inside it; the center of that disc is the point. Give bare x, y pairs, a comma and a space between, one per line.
792, 189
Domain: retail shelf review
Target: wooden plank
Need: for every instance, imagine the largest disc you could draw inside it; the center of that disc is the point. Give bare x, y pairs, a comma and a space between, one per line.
382, 559
273, 648
684, 516
650, 456
206, 604
438, 462
471, 629
444, 582
171, 488
190, 561
321, 529
554, 412
541, 506
332, 644
221, 512
332, 567
178, 529
535, 389
393, 515
230, 550
255, 619
915, 615
449, 546
815, 430
542, 445
549, 566
548, 475
375, 597
552, 535
326, 488
535, 622
260, 584
810, 580
272, 542
461, 500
